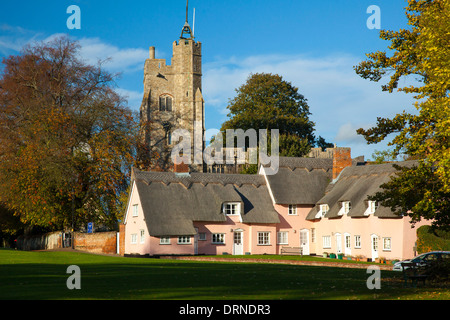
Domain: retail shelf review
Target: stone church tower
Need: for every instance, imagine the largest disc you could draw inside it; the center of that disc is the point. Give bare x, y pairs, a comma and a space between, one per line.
172, 100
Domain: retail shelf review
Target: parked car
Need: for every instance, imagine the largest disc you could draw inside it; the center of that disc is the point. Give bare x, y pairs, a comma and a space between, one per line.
425, 259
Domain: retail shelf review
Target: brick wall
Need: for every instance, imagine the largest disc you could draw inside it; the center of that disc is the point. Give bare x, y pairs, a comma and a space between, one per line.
101, 242
122, 239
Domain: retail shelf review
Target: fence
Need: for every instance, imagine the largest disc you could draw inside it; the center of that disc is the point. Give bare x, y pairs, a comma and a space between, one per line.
100, 242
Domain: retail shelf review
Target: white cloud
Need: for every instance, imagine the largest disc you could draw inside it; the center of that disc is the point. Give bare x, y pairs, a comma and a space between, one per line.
126, 61
14, 38
339, 100
134, 98
120, 59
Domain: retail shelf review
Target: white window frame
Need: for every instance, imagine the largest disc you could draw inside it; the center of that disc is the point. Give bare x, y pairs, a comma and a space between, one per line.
389, 247
184, 240
202, 236
263, 238
323, 209
372, 206
134, 238
232, 208
282, 237
135, 210
326, 242
313, 235
346, 206
358, 241
292, 210
218, 238
164, 240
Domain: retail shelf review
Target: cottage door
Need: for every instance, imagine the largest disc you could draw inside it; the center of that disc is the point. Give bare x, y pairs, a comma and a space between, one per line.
304, 241
374, 246
238, 248
338, 243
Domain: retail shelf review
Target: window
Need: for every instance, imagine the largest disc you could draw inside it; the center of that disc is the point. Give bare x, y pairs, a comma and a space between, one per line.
169, 138
135, 210
313, 235
371, 207
326, 242
142, 236
387, 244
202, 236
292, 210
282, 237
358, 241
345, 208
347, 241
164, 240
263, 238
231, 209
218, 238
323, 209
184, 240
134, 238
165, 103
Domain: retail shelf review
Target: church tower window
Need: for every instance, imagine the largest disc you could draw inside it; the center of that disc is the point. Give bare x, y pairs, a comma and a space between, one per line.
165, 103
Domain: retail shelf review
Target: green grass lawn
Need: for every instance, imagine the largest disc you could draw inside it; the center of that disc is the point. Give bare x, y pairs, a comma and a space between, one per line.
42, 275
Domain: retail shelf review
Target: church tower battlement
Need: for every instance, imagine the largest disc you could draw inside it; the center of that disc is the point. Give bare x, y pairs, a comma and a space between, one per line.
172, 100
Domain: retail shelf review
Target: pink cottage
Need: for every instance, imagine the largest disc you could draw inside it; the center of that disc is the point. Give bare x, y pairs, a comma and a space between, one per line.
302, 206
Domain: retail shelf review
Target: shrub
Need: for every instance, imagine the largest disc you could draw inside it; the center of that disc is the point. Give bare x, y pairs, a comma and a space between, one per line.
432, 240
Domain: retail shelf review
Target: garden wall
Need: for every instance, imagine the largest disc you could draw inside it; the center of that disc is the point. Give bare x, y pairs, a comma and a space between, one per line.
100, 242
48, 241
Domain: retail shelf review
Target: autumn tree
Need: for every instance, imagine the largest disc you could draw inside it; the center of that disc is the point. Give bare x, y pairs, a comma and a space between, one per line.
67, 138
420, 52
266, 101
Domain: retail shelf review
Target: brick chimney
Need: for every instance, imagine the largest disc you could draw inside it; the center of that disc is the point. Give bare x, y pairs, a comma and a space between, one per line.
341, 159
180, 168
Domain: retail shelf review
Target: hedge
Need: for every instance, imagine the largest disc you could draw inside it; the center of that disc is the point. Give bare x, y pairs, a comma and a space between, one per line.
429, 240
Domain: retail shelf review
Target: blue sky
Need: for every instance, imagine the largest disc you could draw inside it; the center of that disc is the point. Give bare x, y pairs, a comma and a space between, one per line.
312, 44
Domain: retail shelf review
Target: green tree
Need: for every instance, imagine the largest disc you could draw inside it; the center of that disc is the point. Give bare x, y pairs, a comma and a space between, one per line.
422, 51
266, 101
67, 138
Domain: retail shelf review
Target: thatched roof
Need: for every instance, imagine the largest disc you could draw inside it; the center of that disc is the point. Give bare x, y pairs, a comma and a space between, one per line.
171, 203
300, 180
355, 184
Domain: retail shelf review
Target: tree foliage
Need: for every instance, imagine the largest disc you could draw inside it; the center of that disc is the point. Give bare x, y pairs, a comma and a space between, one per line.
421, 51
266, 101
66, 137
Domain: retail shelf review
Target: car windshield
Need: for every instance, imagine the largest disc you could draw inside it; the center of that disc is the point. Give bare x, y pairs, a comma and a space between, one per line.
419, 258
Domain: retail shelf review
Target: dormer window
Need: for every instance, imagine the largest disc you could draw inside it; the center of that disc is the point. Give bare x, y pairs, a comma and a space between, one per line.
292, 210
345, 208
323, 209
371, 207
232, 208
165, 103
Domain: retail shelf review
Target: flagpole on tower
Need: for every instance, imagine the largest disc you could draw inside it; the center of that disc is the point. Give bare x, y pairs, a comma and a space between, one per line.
187, 8
193, 26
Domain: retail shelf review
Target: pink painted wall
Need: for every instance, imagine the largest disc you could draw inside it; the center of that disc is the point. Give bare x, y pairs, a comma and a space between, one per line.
402, 236
249, 237
293, 224
134, 225
398, 230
